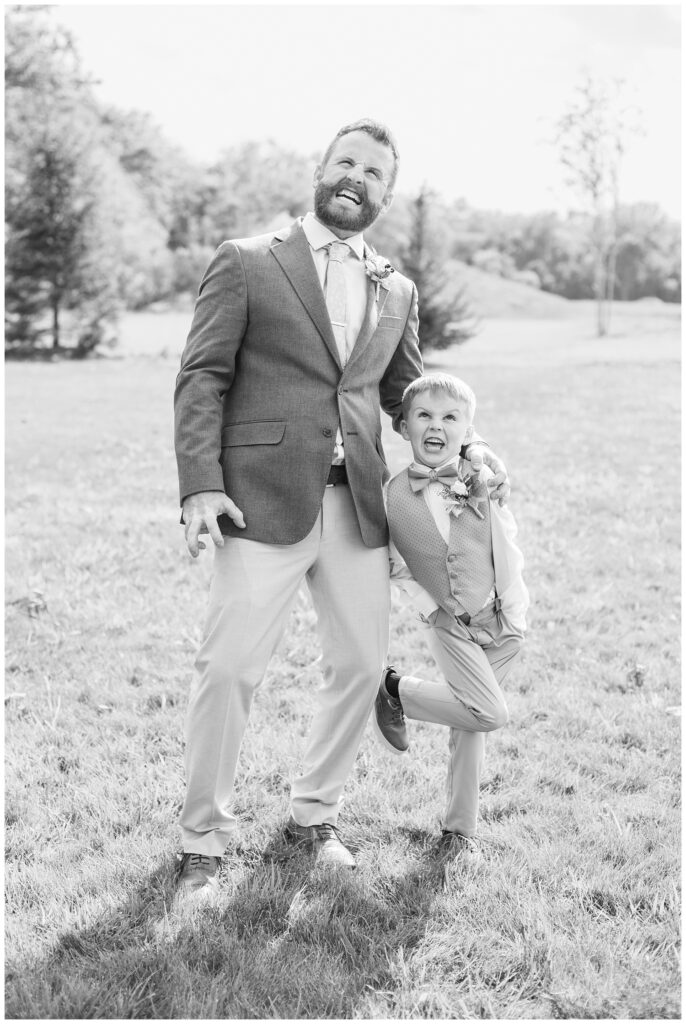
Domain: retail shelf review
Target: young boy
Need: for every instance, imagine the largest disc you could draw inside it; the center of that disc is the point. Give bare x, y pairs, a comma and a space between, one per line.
453, 552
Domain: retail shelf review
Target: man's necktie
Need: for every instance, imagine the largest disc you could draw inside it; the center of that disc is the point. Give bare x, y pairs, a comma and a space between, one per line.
335, 295
422, 476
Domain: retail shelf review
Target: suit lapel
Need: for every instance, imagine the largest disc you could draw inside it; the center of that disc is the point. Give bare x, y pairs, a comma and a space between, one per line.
292, 251
371, 318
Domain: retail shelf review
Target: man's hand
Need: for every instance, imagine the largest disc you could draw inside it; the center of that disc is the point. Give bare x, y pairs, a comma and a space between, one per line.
200, 513
499, 485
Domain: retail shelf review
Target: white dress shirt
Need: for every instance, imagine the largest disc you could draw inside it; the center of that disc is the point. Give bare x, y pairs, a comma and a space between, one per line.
438, 506
356, 287
356, 280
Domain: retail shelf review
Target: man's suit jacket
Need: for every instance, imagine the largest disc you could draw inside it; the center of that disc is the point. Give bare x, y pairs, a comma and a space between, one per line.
261, 389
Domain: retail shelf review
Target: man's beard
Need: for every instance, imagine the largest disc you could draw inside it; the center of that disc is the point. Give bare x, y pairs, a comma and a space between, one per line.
356, 219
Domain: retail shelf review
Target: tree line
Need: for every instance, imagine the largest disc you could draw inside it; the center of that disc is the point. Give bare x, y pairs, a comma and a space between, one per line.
103, 214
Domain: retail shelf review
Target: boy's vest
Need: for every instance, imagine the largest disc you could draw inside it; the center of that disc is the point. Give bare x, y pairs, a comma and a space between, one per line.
458, 576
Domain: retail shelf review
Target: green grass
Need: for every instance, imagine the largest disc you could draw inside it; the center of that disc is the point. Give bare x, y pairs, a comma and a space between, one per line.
573, 910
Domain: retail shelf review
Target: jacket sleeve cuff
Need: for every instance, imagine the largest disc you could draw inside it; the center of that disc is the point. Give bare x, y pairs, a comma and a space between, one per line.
199, 478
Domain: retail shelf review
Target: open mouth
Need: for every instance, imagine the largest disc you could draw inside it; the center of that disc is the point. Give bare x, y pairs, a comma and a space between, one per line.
434, 444
350, 196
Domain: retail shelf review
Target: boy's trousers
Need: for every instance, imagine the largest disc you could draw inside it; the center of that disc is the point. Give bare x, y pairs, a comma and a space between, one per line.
474, 660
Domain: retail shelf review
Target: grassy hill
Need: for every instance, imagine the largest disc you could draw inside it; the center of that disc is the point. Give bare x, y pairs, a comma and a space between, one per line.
493, 296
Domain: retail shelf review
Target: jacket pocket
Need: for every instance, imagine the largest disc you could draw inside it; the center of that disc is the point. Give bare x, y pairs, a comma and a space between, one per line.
255, 432
390, 323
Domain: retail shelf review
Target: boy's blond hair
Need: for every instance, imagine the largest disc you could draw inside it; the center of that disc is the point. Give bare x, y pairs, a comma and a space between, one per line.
439, 382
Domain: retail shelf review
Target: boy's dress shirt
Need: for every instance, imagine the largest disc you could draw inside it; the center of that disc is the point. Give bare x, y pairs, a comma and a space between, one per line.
507, 557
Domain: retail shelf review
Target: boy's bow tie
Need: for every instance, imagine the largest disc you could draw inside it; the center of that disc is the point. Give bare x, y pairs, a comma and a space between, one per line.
422, 476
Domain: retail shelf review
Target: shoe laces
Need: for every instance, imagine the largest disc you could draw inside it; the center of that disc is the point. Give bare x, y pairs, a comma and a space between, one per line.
196, 860
326, 832
397, 714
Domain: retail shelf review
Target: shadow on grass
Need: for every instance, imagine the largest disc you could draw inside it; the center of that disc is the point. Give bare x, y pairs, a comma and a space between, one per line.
284, 939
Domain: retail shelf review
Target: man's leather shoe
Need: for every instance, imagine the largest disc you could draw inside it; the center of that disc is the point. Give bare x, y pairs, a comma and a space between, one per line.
452, 844
198, 873
323, 841
389, 719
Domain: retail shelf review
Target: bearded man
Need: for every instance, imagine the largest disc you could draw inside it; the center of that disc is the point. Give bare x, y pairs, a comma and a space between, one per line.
297, 339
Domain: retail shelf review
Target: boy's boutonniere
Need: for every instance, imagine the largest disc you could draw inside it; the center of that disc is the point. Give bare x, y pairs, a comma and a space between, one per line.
377, 268
461, 495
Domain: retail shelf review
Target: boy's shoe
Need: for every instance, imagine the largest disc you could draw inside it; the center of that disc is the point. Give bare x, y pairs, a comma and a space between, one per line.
453, 844
323, 841
198, 873
389, 719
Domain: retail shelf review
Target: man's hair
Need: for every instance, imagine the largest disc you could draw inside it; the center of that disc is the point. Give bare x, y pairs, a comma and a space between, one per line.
439, 382
378, 131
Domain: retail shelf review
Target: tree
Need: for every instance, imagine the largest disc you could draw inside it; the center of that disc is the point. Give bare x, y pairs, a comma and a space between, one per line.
445, 315
648, 253
45, 245
54, 236
252, 183
591, 137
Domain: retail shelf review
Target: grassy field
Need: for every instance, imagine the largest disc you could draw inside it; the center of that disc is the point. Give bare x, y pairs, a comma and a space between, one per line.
573, 909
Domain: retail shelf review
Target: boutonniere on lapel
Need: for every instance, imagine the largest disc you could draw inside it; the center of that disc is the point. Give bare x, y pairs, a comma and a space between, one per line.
377, 268
463, 494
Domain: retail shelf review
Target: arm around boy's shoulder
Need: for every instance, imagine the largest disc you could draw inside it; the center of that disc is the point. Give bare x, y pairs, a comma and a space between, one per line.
501, 514
406, 363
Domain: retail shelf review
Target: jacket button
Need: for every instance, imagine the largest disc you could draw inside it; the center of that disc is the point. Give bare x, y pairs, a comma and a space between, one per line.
451, 558
327, 432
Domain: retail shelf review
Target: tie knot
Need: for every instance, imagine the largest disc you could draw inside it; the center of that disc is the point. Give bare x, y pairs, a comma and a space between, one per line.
338, 251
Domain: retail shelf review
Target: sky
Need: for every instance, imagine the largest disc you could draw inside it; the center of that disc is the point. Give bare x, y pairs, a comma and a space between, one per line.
471, 92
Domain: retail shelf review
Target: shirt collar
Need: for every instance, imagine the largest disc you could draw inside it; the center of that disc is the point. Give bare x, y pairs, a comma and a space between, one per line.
318, 235
449, 462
